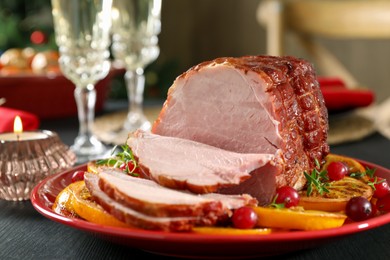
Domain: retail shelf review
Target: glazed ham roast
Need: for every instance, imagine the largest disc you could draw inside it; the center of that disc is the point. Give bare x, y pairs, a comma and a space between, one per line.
241, 126
252, 104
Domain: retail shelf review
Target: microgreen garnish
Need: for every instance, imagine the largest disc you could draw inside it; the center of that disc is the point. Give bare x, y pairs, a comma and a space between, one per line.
121, 158
317, 180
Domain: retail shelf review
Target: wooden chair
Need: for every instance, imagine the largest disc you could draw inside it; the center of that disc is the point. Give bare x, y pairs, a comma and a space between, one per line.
310, 20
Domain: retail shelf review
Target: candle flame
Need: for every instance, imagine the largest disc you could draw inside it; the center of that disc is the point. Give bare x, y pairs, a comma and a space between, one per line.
18, 126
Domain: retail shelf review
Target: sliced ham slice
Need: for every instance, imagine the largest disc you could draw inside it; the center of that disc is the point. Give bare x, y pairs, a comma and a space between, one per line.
184, 164
133, 217
145, 204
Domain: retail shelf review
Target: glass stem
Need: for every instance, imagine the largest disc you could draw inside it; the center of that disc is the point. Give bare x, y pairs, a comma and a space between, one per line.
85, 97
135, 83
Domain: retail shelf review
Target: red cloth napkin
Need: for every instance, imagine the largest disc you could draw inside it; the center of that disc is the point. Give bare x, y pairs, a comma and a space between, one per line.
7, 117
338, 97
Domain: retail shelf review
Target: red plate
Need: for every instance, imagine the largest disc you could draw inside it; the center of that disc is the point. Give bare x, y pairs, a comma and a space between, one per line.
199, 245
339, 98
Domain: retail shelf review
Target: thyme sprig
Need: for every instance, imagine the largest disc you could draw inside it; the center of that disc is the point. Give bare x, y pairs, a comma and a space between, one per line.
317, 180
124, 157
358, 175
374, 181
370, 173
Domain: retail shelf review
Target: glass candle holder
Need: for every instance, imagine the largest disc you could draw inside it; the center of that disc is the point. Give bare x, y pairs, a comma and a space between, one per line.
27, 159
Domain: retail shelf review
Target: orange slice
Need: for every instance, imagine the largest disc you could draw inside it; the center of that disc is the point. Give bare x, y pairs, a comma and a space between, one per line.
232, 231
298, 218
76, 200
340, 192
89, 210
353, 165
63, 203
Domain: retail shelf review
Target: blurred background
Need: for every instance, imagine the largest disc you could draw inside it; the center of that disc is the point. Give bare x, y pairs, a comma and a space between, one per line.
195, 31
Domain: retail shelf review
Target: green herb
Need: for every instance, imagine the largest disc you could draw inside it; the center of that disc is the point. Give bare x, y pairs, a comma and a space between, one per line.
121, 158
370, 172
317, 180
375, 181
371, 179
276, 205
358, 175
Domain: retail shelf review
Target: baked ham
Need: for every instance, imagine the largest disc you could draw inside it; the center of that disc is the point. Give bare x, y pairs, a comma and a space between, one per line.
231, 131
249, 105
145, 204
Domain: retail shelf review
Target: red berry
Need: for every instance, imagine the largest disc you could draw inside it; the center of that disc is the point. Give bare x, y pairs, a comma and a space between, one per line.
78, 176
382, 187
244, 218
375, 211
383, 204
288, 196
337, 170
358, 208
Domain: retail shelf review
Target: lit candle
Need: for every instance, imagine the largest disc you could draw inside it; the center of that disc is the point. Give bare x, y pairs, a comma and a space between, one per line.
18, 127
19, 135
27, 158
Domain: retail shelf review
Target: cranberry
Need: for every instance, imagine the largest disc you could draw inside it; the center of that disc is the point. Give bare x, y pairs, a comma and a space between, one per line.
337, 170
358, 208
382, 187
383, 204
288, 196
78, 176
244, 218
375, 211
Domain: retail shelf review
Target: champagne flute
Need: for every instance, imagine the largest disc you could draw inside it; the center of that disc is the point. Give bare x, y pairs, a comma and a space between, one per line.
82, 30
135, 28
